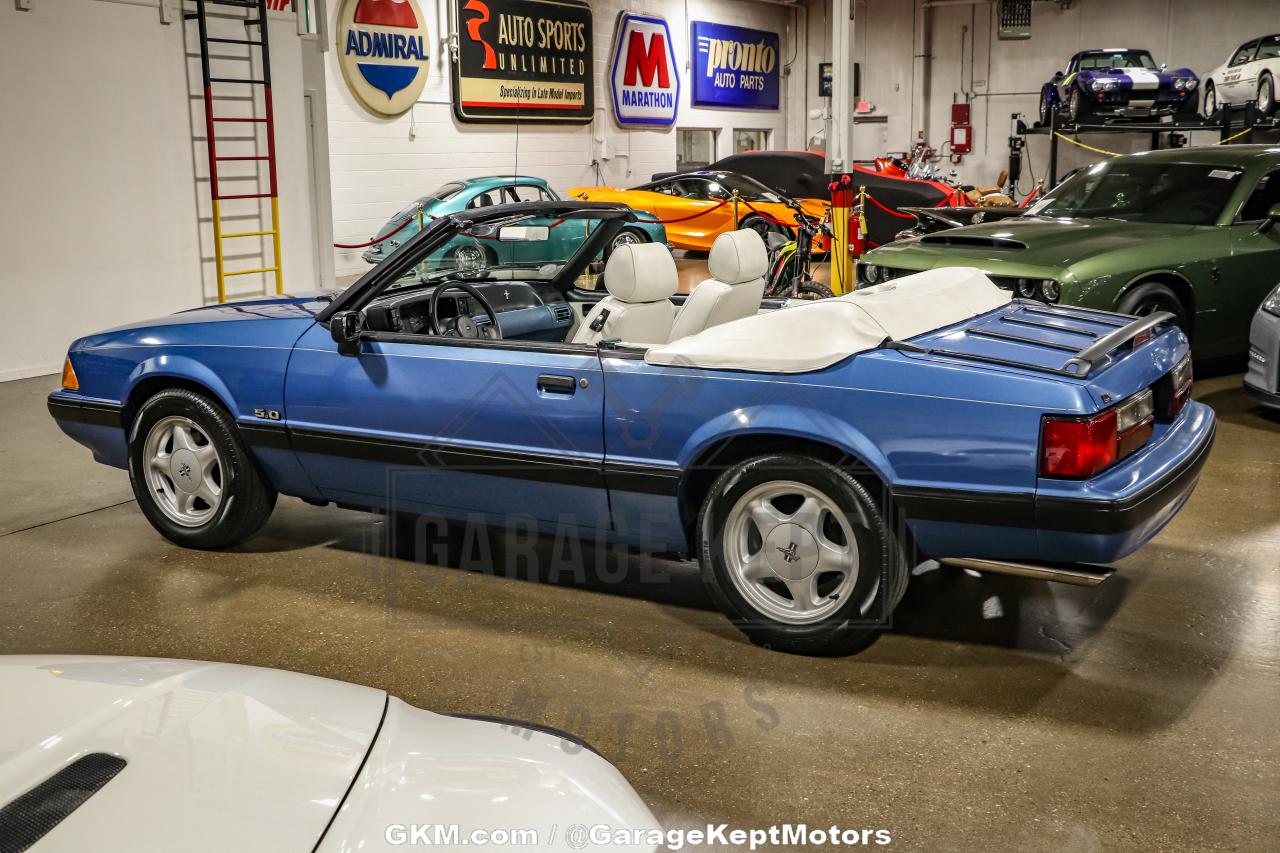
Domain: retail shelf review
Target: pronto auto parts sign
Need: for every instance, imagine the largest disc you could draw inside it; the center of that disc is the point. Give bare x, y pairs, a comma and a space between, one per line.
644, 75
734, 67
523, 60
382, 49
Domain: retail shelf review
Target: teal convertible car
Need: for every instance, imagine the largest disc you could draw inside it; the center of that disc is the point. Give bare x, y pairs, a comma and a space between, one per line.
473, 193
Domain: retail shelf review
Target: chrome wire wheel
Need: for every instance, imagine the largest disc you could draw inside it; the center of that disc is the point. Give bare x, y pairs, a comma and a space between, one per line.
791, 552
183, 471
625, 237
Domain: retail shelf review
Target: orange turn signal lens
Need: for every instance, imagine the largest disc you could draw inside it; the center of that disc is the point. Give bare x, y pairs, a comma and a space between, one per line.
69, 380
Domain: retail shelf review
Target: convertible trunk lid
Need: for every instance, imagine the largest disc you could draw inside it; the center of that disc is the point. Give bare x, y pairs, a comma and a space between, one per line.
218, 757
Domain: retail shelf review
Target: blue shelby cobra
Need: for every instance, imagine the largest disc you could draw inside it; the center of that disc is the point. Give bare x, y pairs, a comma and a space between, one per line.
1118, 82
807, 455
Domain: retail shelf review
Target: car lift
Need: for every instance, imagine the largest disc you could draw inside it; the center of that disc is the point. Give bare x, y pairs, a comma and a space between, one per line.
1230, 123
258, 7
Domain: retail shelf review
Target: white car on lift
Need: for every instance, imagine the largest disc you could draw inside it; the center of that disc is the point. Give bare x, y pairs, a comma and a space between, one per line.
1249, 75
141, 754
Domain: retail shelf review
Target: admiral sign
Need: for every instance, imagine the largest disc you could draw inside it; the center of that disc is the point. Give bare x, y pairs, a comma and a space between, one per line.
382, 48
645, 79
734, 67
523, 60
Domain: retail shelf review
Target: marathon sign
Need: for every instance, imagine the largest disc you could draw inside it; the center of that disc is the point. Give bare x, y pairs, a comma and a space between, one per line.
644, 75
734, 67
523, 60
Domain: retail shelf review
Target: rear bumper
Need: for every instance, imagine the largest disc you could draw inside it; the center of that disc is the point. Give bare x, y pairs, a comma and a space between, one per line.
1096, 524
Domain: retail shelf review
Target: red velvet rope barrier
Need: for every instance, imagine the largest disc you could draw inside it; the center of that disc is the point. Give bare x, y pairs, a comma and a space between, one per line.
398, 229
772, 219
889, 210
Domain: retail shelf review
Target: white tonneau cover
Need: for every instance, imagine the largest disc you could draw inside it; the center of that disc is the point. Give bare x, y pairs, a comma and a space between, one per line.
815, 335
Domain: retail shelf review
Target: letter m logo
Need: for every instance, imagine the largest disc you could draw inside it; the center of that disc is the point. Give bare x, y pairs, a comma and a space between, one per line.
647, 63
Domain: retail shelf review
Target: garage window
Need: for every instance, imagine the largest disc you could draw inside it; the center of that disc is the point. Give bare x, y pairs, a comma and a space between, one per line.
750, 140
695, 148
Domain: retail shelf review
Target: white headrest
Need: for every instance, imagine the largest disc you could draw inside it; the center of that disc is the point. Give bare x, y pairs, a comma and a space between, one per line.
738, 257
641, 272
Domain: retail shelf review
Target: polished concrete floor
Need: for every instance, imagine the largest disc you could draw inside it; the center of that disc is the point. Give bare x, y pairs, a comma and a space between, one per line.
1000, 714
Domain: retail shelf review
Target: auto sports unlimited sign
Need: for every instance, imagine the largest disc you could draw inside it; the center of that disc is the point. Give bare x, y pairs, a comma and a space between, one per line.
523, 60
734, 67
644, 76
382, 49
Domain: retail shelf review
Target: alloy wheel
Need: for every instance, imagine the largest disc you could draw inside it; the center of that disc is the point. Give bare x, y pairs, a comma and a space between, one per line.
790, 552
184, 472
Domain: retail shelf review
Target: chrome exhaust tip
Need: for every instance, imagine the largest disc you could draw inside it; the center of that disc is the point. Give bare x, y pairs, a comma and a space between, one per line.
1076, 574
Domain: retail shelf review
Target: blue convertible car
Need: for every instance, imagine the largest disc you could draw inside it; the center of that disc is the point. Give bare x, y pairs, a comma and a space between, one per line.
1118, 82
807, 455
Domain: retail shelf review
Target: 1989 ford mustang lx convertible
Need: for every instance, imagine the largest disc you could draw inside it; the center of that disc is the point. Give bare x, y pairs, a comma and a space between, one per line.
806, 454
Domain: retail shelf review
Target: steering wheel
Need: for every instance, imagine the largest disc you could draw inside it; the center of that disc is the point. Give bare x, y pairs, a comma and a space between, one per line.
463, 326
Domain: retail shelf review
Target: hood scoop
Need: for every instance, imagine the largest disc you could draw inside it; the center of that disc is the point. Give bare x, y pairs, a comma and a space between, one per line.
968, 241
30, 817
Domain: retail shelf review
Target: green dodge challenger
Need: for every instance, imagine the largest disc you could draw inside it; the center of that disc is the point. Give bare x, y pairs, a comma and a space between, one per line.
1193, 231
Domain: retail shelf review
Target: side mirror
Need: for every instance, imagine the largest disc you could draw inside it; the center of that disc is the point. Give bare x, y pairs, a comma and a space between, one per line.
1057, 76
345, 328
1273, 218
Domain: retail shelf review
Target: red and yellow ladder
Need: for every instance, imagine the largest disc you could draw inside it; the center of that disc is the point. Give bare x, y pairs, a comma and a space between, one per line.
212, 121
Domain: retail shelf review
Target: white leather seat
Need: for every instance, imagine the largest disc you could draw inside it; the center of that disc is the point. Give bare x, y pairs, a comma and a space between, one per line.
641, 279
738, 262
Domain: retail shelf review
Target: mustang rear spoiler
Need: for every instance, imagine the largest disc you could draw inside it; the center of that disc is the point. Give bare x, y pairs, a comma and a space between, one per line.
1082, 362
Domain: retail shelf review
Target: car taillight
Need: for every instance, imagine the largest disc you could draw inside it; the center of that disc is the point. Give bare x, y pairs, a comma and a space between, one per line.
1183, 378
1081, 447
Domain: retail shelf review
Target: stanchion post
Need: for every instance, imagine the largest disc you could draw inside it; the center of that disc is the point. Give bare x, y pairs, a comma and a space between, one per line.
841, 262
735, 210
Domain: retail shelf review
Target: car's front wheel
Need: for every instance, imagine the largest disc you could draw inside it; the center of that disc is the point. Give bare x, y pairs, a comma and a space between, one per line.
1077, 106
1210, 99
798, 555
192, 474
1151, 297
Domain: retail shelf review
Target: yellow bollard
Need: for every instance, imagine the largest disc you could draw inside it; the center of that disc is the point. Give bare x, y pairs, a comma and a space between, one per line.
842, 278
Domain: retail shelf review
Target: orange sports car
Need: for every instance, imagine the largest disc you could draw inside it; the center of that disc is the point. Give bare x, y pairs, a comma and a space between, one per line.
678, 200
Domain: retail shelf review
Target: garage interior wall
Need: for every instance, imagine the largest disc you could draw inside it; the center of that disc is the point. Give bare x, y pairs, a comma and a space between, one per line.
380, 165
105, 202
968, 62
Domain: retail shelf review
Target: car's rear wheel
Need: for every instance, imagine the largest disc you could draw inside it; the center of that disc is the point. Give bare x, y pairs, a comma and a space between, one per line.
191, 473
1210, 99
797, 554
1151, 297
1266, 95
626, 237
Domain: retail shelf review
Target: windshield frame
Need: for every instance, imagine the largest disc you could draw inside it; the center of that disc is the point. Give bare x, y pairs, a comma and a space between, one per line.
612, 216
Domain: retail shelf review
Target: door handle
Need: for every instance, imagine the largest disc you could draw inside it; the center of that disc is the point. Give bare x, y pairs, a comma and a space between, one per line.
552, 384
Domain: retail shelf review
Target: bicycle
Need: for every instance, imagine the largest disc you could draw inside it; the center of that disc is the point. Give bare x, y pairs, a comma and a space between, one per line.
791, 261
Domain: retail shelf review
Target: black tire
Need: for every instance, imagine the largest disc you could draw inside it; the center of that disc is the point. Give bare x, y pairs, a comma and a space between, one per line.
247, 499
1266, 95
874, 593
1077, 105
1153, 296
1045, 109
1211, 104
813, 290
626, 235
763, 227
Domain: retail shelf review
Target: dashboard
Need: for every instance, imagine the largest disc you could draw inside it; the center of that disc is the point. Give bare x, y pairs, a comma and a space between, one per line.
526, 311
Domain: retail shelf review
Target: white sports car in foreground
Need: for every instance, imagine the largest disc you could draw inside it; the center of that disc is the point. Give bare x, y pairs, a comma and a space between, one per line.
1250, 74
141, 754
